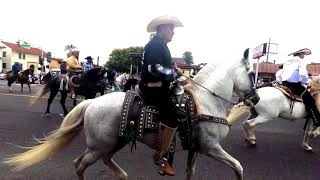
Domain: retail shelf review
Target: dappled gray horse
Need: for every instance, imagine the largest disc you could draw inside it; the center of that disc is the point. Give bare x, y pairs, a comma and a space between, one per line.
213, 87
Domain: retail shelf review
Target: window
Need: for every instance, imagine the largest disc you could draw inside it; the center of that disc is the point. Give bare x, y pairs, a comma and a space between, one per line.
20, 55
23, 56
4, 65
4, 54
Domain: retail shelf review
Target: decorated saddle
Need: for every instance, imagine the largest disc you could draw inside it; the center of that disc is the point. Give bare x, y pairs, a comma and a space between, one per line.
288, 92
138, 117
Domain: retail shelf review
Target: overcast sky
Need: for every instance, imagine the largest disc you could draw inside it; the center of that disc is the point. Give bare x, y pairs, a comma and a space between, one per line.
213, 30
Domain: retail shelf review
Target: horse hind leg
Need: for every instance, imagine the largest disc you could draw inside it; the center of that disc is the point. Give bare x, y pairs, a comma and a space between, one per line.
216, 152
115, 168
86, 159
306, 137
191, 164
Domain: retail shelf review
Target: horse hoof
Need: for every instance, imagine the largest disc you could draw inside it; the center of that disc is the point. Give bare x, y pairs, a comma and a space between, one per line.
251, 143
47, 115
307, 148
315, 134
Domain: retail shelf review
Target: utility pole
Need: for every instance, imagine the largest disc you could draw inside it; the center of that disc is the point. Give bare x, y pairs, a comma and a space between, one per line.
257, 71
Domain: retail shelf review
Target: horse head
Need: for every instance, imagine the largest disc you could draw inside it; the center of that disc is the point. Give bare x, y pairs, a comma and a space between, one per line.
27, 72
244, 76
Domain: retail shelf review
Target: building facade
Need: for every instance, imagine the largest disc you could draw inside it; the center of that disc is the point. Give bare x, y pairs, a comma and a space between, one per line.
13, 52
267, 71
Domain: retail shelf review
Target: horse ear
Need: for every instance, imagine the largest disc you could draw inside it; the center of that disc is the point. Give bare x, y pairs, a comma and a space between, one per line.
246, 54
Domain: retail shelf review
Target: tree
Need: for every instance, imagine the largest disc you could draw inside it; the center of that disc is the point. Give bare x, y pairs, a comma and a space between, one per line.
119, 59
69, 47
187, 57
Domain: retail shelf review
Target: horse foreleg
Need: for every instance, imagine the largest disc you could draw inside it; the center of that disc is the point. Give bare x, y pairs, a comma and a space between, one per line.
29, 87
85, 160
306, 137
10, 89
216, 152
74, 102
50, 99
115, 168
248, 127
191, 164
21, 87
64, 95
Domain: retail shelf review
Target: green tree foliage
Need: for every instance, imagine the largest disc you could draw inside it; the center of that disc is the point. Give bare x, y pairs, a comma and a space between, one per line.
119, 58
69, 47
187, 57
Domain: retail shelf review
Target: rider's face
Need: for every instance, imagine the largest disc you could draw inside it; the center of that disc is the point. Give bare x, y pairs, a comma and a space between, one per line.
301, 55
167, 32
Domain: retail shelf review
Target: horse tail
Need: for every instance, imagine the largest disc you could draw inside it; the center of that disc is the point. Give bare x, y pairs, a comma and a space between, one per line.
44, 90
240, 111
54, 143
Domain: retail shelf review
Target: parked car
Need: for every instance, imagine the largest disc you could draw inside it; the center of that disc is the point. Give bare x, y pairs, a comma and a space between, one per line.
3, 76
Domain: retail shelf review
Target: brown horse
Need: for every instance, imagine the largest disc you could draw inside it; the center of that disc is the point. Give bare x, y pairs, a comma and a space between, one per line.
22, 78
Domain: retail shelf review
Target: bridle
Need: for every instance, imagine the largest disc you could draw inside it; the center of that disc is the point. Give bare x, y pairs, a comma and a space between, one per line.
252, 96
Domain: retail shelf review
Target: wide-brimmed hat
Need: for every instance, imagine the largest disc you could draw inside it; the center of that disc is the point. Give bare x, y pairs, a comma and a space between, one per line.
88, 58
152, 26
306, 51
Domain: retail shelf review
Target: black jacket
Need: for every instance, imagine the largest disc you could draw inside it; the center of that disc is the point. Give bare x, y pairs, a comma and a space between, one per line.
157, 63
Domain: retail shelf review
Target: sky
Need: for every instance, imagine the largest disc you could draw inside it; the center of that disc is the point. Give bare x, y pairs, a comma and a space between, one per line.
213, 30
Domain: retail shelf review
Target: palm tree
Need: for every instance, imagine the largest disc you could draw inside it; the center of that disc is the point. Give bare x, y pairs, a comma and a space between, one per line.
69, 47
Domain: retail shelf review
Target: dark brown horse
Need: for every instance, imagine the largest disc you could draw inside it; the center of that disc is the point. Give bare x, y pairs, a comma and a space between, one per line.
90, 84
22, 78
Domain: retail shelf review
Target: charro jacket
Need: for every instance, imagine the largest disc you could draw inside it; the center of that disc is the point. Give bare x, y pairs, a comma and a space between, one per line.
157, 63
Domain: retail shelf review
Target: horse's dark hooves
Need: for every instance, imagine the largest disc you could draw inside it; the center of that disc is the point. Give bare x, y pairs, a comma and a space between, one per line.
47, 115
62, 115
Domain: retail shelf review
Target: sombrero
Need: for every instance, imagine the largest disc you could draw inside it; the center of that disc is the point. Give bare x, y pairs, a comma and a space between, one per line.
306, 51
152, 26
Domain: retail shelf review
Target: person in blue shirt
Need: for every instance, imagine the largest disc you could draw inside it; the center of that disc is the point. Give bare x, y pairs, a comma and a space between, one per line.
295, 76
16, 68
88, 65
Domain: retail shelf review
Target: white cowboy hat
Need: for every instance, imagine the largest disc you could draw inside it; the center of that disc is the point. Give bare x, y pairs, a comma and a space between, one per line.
306, 51
152, 26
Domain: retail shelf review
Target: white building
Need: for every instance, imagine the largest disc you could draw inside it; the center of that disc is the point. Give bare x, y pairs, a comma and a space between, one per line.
13, 52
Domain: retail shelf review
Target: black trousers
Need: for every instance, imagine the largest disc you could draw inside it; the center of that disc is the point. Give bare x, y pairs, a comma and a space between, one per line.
163, 99
308, 100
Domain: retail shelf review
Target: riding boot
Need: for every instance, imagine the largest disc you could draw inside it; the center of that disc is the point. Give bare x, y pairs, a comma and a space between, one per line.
166, 134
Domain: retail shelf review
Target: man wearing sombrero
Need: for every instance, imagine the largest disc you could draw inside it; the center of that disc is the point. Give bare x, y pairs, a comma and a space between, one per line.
156, 75
294, 75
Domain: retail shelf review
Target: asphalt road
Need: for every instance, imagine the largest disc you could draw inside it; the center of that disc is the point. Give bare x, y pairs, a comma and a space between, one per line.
278, 155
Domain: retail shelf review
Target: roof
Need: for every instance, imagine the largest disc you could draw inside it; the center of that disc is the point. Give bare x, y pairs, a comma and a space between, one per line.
17, 48
178, 60
271, 68
267, 67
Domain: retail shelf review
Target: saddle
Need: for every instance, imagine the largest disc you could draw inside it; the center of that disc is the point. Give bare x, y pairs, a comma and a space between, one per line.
288, 92
139, 116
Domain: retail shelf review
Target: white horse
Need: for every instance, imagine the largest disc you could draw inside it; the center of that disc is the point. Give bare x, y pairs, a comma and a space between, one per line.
101, 118
273, 105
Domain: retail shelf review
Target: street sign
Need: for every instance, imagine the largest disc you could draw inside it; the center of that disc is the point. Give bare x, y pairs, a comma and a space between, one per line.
260, 51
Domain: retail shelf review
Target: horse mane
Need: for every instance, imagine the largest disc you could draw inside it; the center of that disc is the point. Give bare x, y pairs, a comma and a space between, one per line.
25, 72
93, 74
